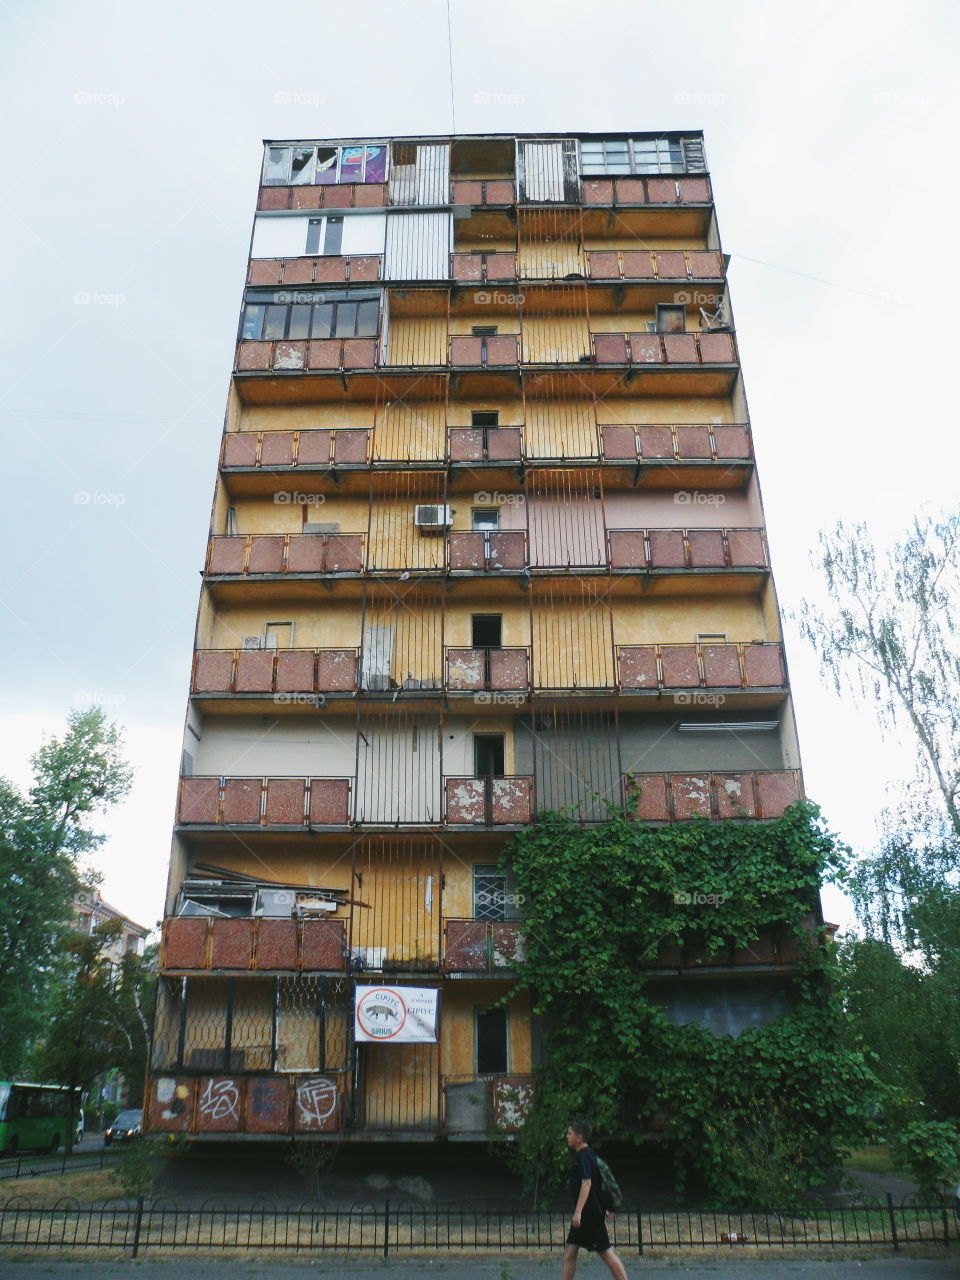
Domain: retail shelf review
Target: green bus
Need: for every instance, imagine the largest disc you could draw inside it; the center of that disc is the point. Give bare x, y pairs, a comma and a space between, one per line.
35, 1117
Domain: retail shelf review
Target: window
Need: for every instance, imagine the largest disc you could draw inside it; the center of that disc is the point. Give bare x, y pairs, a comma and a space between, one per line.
485, 417
487, 630
312, 315
485, 520
324, 235
494, 893
484, 330
491, 1040
488, 755
324, 166
671, 318
641, 155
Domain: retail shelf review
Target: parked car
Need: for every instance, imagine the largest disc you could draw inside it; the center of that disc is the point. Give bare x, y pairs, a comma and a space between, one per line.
126, 1127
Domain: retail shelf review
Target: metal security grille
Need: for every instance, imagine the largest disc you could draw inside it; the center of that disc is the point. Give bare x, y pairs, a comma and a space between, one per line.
489, 892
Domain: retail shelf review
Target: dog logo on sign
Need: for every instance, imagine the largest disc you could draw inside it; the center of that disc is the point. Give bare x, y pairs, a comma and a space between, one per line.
381, 1013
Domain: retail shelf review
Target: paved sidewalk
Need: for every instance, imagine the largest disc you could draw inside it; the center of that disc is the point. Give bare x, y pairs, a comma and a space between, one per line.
45, 1266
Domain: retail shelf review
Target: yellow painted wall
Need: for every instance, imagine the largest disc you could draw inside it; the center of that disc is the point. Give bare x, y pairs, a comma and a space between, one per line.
458, 1041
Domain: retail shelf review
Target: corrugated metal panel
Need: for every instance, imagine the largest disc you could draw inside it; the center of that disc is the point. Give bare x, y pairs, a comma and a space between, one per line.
541, 169
418, 246
433, 174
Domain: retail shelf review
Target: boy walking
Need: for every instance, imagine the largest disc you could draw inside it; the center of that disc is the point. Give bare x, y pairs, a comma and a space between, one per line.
588, 1227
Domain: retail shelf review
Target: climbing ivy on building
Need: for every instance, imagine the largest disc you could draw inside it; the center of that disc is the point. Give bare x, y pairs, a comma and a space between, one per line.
758, 1117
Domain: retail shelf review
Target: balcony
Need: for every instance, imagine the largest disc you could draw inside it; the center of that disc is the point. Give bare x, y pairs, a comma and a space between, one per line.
276, 671
706, 348
254, 553
348, 447
647, 189
473, 670
468, 351
485, 444
481, 946
700, 666
677, 797
485, 552
677, 549
648, 264
491, 802
303, 271
315, 355
688, 442
264, 802
476, 268
259, 945
353, 195
484, 191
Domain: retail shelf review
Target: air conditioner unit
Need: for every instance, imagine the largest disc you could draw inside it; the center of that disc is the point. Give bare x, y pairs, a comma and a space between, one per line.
313, 904
433, 518
278, 903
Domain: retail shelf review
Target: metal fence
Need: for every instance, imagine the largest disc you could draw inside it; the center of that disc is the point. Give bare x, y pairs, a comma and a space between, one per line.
157, 1225
29, 1166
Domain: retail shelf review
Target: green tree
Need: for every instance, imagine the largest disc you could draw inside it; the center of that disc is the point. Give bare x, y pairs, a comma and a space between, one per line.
44, 836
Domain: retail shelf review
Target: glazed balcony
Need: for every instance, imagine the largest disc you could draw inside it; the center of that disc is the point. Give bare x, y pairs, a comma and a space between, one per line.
700, 666
194, 944
489, 802
678, 797
481, 946
264, 802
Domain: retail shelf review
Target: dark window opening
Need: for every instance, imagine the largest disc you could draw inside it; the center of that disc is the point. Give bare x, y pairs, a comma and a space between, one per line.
485, 417
491, 1042
487, 630
488, 755
484, 330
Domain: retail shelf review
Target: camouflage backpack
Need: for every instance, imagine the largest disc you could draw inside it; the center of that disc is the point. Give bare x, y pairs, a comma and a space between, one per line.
609, 1193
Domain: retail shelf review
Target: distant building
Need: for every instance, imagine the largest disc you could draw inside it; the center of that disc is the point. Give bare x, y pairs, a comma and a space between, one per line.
91, 910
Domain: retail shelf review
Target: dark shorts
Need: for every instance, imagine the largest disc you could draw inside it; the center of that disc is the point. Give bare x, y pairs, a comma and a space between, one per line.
591, 1233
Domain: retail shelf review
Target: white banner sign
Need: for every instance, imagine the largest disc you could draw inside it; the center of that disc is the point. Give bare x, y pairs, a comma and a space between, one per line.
396, 1015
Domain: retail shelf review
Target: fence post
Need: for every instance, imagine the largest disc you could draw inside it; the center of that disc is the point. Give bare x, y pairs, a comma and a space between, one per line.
386, 1227
640, 1231
893, 1223
138, 1222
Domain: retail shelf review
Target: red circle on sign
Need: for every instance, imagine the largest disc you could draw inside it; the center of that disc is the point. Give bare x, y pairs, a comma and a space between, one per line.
375, 991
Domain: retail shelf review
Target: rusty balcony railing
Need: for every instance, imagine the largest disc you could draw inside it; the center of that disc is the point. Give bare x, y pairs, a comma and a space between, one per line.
474, 670
327, 270
647, 189
655, 264
277, 671
254, 553
687, 549
693, 442
481, 946
500, 801
193, 943
485, 444
480, 552
264, 802
676, 797
701, 666
704, 348
326, 449
476, 352
480, 191
469, 268
257, 355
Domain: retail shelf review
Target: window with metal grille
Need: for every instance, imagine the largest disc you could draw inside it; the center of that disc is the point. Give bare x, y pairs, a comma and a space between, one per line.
489, 892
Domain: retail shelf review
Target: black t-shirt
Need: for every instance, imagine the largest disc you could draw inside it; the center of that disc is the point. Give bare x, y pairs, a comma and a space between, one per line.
584, 1165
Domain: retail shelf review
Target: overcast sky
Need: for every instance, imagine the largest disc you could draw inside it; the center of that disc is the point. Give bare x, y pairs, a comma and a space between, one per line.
134, 147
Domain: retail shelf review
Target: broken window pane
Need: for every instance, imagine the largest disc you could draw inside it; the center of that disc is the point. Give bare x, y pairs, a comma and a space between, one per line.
302, 165
327, 165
